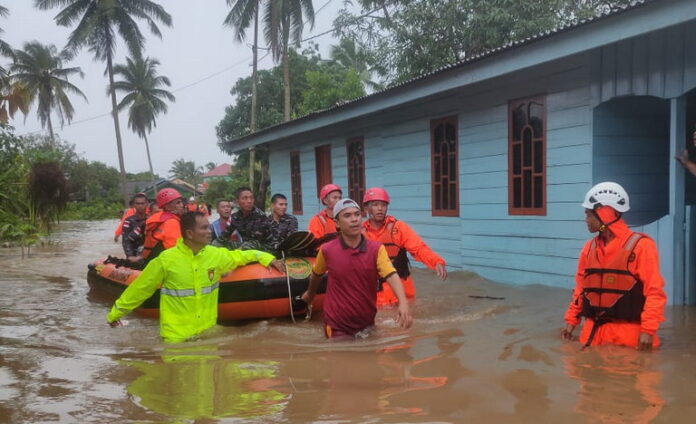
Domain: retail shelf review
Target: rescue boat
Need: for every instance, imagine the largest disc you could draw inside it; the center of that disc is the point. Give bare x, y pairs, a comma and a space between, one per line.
249, 292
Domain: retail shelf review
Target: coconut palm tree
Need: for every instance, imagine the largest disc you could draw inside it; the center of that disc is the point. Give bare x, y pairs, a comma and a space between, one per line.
284, 21
5, 48
239, 19
98, 25
39, 69
349, 55
143, 96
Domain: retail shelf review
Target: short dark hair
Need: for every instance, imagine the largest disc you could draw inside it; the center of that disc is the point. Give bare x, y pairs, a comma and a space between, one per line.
278, 196
241, 190
140, 196
188, 221
221, 200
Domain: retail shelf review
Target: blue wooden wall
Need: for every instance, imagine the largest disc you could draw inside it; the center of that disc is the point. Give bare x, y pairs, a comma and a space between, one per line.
484, 238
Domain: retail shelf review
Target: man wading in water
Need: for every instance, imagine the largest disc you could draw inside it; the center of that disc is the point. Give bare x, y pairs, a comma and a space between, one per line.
355, 265
189, 274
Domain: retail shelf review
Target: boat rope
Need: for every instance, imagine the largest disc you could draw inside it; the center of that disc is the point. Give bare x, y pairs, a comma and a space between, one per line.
287, 279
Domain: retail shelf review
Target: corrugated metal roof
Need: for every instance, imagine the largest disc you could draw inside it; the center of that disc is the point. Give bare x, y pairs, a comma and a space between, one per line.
487, 54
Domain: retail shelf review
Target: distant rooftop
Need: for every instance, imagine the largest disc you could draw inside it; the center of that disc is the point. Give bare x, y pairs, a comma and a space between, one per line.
221, 170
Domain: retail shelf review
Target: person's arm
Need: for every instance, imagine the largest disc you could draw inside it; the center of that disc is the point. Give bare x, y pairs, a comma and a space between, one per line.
405, 236
386, 270
235, 258
137, 292
292, 228
647, 269
572, 315
318, 270
683, 158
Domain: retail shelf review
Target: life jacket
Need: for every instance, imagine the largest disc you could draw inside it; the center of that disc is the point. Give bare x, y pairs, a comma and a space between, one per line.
397, 254
154, 235
328, 235
610, 291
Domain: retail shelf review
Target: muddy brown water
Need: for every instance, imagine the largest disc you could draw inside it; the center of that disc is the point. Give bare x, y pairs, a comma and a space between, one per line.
466, 359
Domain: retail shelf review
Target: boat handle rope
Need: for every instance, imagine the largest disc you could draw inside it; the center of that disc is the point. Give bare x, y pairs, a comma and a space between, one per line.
287, 279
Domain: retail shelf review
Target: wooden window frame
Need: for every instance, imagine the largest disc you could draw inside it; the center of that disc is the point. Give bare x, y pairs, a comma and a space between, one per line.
356, 189
322, 158
296, 182
434, 182
522, 210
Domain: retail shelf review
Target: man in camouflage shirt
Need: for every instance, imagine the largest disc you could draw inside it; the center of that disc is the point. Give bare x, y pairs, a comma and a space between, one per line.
253, 225
282, 224
134, 228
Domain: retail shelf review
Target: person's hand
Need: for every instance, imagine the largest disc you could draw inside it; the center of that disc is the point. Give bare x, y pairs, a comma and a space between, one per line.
567, 332
441, 271
645, 341
134, 258
307, 298
116, 239
278, 265
117, 323
403, 316
683, 158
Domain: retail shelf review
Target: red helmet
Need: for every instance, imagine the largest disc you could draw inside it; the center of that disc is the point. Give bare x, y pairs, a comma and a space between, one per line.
165, 196
327, 189
376, 193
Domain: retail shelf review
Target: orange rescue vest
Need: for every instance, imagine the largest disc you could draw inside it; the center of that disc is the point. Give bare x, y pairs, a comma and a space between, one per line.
610, 291
154, 236
397, 254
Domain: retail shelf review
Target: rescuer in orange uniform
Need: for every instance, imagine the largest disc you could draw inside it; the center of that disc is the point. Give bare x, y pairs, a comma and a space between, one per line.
322, 225
162, 228
619, 289
398, 238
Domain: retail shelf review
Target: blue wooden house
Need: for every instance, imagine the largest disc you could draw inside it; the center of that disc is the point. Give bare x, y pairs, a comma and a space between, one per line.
489, 159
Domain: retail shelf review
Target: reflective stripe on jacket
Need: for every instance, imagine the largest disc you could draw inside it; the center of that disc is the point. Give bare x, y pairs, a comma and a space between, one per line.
189, 294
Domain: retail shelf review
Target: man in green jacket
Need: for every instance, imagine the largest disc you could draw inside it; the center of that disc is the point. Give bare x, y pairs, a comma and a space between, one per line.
189, 275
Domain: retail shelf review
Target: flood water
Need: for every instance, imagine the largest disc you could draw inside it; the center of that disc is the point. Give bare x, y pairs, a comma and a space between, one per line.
466, 359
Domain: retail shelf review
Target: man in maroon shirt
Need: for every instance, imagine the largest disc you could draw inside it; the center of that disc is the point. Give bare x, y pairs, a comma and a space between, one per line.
355, 266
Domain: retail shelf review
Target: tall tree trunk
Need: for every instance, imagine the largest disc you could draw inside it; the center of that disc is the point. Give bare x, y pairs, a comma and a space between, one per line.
286, 82
117, 127
254, 99
50, 130
149, 162
264, 183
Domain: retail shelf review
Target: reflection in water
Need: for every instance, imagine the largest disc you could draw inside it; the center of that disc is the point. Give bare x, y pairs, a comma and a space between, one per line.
617, 384
467, 359
195, 383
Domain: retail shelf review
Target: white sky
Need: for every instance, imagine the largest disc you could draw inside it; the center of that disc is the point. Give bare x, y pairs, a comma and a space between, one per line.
195, 47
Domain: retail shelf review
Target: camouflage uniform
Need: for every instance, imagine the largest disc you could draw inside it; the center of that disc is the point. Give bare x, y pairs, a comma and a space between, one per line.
133, 234
282, 229
255, 230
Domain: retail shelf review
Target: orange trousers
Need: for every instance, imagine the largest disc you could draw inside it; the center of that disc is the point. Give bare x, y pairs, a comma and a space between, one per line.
617, 333
387, 297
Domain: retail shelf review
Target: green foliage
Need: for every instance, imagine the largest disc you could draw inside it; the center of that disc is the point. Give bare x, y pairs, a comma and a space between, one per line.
328, 86
220, 189
95, 209
186, 170
402, 39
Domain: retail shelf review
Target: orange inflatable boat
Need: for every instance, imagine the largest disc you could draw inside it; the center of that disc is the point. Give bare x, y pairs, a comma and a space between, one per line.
248, 292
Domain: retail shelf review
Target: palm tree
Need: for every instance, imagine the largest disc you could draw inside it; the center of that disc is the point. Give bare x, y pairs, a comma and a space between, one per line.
349, 55
239, 19
284, 21
5, 48
98, 24
146, 99
39, 68
186, 170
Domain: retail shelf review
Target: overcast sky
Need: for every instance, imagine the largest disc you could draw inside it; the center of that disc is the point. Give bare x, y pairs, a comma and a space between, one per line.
196, 47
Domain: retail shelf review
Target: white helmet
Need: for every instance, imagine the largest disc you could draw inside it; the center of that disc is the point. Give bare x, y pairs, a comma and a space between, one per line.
607, 194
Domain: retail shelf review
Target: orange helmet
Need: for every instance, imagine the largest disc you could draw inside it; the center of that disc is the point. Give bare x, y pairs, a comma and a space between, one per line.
165, 196
327, 189
376, 193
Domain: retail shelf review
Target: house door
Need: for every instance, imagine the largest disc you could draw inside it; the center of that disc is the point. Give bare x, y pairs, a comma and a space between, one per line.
323, 163
690, 200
